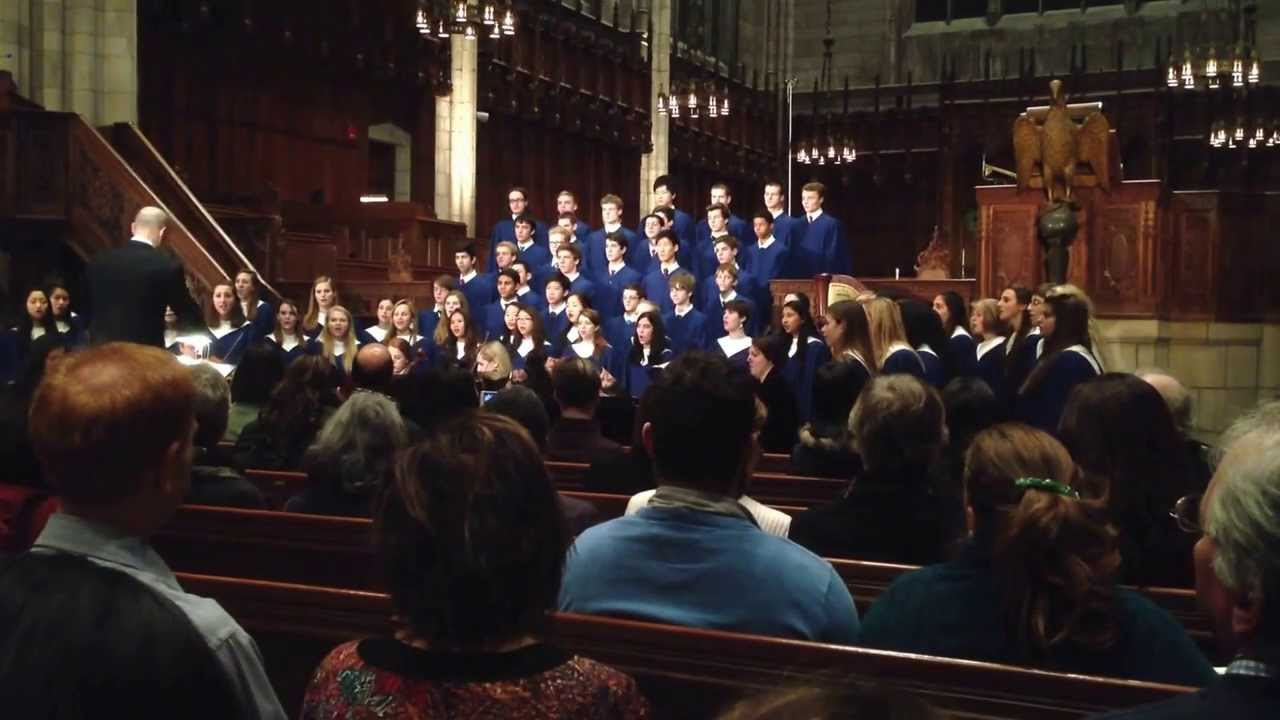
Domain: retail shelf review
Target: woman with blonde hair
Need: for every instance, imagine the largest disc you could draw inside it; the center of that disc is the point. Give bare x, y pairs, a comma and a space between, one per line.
1035, 585
337, 340
493, 366
323, 297
889, 344
404, 325
984, 323
1097, 341
454, 300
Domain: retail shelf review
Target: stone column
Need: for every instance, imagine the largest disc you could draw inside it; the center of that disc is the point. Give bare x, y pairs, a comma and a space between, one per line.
456, 137
76, 56
656, 162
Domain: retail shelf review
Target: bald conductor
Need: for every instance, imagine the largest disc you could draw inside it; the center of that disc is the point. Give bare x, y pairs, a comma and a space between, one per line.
130, 286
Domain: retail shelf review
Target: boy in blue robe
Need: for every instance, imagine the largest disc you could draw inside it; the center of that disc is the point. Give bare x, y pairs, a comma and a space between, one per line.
494, 316
784, 226
569, 262
505, 229
657, 285
718, 291
555, 318
525, 295
686, 327
736, 226
616, 276
478, 288
664, 196
619, 330
595, 259
821, 246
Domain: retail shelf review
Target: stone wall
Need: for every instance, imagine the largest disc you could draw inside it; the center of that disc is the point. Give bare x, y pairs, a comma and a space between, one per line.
1228, 367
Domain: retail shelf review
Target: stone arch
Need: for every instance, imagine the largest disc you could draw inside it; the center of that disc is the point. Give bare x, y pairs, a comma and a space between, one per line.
393, 135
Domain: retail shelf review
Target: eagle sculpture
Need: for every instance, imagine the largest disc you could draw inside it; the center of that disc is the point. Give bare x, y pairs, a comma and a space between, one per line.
1059, 145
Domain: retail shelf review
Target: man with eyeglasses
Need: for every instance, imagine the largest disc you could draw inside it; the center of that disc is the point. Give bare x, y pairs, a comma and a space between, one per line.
1237, 566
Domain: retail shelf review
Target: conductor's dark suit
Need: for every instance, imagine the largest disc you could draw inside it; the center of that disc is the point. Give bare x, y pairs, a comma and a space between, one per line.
129, 287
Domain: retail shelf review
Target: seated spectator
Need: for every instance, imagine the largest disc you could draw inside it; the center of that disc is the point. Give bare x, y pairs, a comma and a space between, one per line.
1237, 567
112, 427
765, 358
892, 511
971, 406
213, 481
1121, 434
17, 456
523, 405
259, 371
695, 556
472, 545
350, 460
825, 448
493, 366
1178, 398
576, 436
288, 424
1035, 586
80, 638
373, 369
629, 471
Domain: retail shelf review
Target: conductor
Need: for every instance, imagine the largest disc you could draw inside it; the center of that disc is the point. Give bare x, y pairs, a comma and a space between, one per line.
130, 286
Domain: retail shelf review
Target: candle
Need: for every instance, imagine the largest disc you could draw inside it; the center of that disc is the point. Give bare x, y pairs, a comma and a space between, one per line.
962, 261
897, 274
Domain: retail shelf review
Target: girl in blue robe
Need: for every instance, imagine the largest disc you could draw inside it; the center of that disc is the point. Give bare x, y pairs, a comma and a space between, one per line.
735, 345
951, 309
989, 360
287, 338
1066, 362
591, 345
889, 346
926, 336
257, 312
529, 344
649, 355
74, 331
228, 332
806, 354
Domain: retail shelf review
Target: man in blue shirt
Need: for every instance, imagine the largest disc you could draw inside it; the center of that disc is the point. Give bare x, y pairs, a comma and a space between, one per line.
694, 556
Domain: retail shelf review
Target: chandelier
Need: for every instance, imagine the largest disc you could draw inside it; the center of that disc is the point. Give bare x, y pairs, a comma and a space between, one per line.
466, 18
688, 101
1242, 133
1201, 67
831, 147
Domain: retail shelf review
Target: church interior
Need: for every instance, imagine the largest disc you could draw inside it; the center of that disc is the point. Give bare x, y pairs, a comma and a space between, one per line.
370, 142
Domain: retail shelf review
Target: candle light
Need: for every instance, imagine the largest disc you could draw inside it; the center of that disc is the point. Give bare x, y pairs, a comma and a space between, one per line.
897, 274
962, 262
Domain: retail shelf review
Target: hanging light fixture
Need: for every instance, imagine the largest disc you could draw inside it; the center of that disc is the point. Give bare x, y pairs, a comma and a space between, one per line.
1233, 28
467, 18
1255, 68
690, 100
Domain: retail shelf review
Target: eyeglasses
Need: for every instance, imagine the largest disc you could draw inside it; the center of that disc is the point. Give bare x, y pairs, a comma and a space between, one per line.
1186, 512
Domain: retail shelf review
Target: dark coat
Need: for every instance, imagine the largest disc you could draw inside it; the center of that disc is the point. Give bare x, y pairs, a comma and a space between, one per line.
129, 287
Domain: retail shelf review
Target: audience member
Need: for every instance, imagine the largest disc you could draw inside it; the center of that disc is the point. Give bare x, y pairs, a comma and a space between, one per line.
695, 556
83, 640
473, 545
213, 480
825, 448
1178, 398
259, 371
493, 366
629, 471
17, 456
352, 457
112, 427
971, 407
1122, 436
892, 511
1237, 568
373, 368
1036, 584
576, 436
764, 358
288, 424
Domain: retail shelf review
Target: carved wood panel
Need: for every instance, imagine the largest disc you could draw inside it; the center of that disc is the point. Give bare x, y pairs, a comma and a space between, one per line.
1009, 248
41, 152
1117, 278
1192, 286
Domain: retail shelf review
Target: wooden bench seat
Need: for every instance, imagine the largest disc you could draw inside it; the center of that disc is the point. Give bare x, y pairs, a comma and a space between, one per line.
685, 672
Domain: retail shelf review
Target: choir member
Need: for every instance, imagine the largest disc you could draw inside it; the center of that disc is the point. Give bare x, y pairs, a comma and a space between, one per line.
768, 255
806, 354
228, 332
402, 356
323, 297
649, 353
287, 337
1067, 361
615, 276
505, 229
591, 345
555, 318
507, 253
735, 342
645, 256
686, 327
618, 330
534, 254
720, 195
784, 227
889, 345
479, 288
382, 329
1014, 307
525, 295
567, 204
440, 289
258, 312
492, 318
657, 282
984, 321
926, 336
530, 341
72, 326
950, 308
595, 257
36, 322
453, 301
664, 196
819, 246
723, 287
337, 340
574, 304
765, 353
404, 325
460, 343
569, 263
704, 256
848, 334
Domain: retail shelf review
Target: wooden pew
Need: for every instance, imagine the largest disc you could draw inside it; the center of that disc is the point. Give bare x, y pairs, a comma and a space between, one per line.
685, 672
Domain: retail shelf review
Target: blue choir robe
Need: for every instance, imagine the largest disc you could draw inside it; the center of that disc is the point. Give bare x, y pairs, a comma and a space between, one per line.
492, 319
373, 334
735, 350
263, 322
582, 285
657, 289
687, 332
800, 371
639, 376
428, 320
705, 261
686, 233
1020, 360
538, 283
531, 299
609, 288
480, 290
964, 353
594, 262
228, 344
643, 258
526, 351
747, 288
768, 263
786, 227
505, 229
620, 330
736, 226
418, 344
10, 354
294, 348
901, 359
604, 358
1041, 406
75, 333
990, 363
555, 325
713, 308
934, 372
534, 256
819, 247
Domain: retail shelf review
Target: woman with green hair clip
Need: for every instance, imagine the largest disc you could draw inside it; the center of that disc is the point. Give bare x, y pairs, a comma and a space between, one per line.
1035, 583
